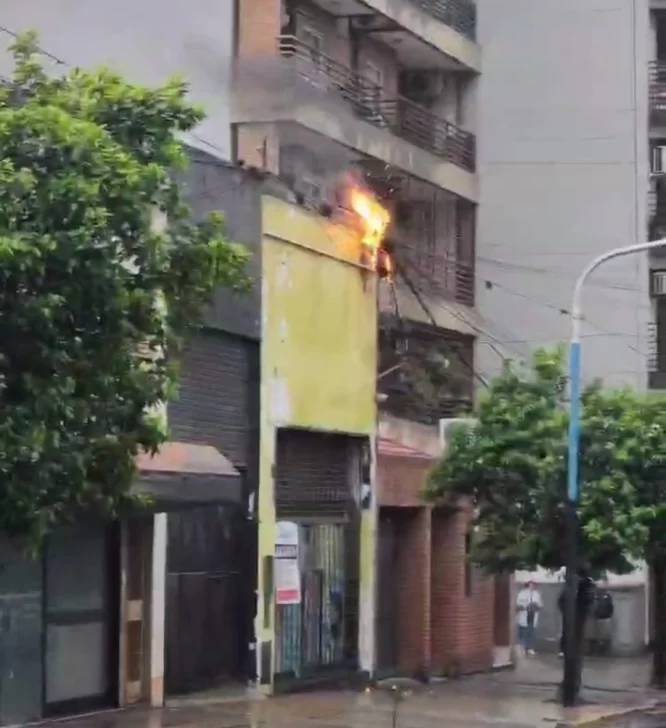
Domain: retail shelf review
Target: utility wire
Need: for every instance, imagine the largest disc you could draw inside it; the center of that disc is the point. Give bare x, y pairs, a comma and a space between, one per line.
60, 62
560, 310
559, 273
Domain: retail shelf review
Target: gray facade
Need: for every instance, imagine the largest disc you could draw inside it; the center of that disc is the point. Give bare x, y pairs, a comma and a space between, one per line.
148, 41
628, 623
212, 185
563, 165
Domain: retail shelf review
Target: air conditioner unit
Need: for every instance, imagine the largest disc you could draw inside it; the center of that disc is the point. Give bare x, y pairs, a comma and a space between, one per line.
446, 424
426, 85
658, 160
658, 283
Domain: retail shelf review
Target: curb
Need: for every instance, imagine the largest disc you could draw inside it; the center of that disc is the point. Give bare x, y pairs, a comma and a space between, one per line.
608, 718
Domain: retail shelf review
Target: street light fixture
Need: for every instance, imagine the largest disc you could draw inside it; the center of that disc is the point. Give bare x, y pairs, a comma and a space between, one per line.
571, 663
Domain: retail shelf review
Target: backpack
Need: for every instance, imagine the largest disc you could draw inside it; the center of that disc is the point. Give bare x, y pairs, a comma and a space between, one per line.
603, 608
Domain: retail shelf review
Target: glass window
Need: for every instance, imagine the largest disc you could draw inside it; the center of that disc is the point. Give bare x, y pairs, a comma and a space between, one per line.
75, 570
20, 637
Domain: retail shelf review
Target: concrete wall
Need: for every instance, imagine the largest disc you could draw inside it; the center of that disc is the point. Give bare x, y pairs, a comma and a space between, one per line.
211, 185
149, 41
318, 366
628, 620
564, 176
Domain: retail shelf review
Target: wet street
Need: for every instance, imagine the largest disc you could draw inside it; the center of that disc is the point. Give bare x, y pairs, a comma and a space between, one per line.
614, 693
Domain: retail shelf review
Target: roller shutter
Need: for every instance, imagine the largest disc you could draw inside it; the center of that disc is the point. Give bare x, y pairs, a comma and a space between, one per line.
312, 474
216, 395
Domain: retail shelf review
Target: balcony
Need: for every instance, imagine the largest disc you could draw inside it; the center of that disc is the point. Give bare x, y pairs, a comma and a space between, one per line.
423, 33
657, 93
457, 14
435, 274
404, 118
427, 371
306, 87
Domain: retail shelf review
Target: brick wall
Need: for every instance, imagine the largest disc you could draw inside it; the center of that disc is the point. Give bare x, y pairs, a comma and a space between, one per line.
462, 625
413, 575
401, 480
441, 627
259, 24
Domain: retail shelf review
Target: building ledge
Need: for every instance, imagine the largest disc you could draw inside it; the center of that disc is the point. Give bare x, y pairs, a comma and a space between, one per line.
373, 142
186, 474
449, 315
428, 28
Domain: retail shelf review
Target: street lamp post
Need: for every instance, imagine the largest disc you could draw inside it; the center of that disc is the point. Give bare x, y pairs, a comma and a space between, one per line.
570, 678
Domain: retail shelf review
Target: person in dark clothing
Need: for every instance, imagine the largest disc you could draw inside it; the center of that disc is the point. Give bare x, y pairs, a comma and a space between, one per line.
561, 600
602, 614
603, 604
584, 601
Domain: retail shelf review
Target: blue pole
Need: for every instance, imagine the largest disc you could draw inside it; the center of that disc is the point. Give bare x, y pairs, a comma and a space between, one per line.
574, 421
572, 646
572, 660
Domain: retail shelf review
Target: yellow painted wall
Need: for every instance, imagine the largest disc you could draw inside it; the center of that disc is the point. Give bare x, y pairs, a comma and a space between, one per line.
319, 358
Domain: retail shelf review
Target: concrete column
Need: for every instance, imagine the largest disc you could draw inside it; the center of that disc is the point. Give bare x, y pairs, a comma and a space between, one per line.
157, 609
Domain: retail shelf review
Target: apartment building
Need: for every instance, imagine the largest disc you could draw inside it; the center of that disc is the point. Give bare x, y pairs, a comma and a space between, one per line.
565, 134
657, 193
388, 92
563, 163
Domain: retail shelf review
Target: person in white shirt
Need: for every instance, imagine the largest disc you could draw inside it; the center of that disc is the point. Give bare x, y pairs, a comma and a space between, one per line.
528, 606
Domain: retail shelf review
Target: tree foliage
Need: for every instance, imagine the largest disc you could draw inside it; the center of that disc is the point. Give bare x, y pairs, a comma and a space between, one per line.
511, 464
94, 301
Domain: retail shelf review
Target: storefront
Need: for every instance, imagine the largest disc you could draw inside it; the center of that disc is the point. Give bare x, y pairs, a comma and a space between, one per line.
59, 625
317, 494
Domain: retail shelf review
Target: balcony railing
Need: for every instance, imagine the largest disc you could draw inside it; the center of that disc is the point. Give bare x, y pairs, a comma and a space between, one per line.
657, 76
435, 273
422, 128
457, 14
404, 118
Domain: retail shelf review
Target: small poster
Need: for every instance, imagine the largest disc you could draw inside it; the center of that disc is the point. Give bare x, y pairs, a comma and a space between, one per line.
287, 571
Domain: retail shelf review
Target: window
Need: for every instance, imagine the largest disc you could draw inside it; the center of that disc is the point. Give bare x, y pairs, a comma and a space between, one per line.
660, 307
469, 568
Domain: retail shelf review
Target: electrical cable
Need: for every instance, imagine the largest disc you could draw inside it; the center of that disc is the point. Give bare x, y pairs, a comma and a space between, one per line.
595, 283
433, 321
222, 162
563, 311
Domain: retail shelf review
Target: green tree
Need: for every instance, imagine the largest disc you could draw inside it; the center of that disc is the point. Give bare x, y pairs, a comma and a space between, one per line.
644, 458
94, 301
511, 465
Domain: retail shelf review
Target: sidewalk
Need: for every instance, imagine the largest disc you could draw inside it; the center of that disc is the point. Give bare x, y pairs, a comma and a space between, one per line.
521, 698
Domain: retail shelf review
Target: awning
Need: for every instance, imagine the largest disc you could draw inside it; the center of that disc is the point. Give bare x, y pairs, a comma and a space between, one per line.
392, 448
185, 474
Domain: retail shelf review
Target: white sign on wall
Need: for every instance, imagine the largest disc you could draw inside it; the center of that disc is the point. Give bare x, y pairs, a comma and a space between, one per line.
287, 572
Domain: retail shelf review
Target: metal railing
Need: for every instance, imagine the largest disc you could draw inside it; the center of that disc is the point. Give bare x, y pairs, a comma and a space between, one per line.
457, 14
657, 93
435, 273
404, 118
422, 128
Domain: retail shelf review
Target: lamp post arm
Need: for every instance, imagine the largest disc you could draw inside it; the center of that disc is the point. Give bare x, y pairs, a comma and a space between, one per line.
577, 305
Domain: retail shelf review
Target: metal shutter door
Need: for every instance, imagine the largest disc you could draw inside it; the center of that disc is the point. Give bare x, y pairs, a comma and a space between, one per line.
214, 398
312, 474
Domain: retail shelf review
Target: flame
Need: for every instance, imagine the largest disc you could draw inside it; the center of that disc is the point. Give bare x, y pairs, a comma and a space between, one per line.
374, 219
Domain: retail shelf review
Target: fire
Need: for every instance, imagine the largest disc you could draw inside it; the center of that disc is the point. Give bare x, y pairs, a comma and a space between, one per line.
375, 220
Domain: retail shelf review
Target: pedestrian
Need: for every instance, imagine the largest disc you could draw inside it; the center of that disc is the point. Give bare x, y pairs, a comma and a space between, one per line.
528, 606
585, 598
602, 632
561, 605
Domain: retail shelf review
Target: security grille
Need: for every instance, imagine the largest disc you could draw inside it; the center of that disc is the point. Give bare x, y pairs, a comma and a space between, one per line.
313, 474
658, 283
